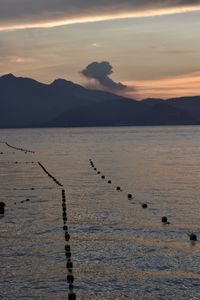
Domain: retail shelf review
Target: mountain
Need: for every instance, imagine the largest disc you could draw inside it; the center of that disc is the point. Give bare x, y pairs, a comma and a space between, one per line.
25, 102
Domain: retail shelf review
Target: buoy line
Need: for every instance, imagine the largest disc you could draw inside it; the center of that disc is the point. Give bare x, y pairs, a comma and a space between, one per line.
68, 254
164, 219
17, 148
49, 174
118, 188
69, 263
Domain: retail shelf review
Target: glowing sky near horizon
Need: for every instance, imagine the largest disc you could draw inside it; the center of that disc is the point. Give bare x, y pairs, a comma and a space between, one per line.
154, 47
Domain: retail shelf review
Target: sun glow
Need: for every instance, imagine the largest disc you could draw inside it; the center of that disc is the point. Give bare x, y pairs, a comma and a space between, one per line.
116, 16
185, 85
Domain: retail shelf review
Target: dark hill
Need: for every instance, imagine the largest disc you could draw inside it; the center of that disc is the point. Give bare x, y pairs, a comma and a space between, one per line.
25, 102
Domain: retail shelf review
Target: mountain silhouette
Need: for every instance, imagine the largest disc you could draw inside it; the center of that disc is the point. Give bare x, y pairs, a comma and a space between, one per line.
26, 102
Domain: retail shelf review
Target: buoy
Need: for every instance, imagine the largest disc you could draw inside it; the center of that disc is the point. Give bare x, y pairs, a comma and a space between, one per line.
98, 172
71, 295
2, 207
68, 254
70, 277
67, 236
27, 199
67, 247
103, 177
165, 220
192, 236
118, 188
65, 227
130, 196
69, 264
144, 205
109, 181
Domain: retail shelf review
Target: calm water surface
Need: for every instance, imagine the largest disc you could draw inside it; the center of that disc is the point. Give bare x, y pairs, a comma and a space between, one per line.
119, 250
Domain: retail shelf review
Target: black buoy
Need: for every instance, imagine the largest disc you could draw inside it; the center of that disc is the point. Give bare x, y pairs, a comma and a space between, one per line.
103, 177
67, 247
71, 295
144, 205
165, 220
69, 264
192, 236
70, 277
68, 254
2, 207
27, 199
118, 188
71, 286
130, 196
67, 236
98, 172
65, 227
109, 181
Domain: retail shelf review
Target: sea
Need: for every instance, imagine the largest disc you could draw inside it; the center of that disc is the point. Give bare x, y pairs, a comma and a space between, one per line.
119, 249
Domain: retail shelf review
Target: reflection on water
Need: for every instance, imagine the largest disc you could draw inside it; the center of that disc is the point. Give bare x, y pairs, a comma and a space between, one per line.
120, 250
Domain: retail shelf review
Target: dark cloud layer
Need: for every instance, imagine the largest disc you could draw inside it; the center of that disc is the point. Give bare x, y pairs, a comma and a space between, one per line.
33, 11
100, 71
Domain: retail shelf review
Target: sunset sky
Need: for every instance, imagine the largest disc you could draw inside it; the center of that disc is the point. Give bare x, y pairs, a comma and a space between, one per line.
152, 46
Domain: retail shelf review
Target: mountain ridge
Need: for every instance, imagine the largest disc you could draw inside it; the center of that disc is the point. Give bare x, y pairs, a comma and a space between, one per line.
26, 102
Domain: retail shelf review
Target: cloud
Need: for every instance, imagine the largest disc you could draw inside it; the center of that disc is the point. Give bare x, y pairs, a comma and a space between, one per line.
48, 13
100, 71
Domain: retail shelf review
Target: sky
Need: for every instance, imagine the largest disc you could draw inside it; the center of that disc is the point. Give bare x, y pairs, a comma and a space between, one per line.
139, 49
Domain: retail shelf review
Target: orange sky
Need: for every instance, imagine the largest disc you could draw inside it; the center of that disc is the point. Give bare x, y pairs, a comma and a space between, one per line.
153, 48
166, 88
